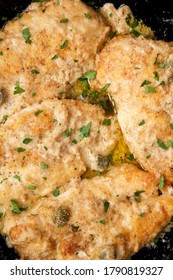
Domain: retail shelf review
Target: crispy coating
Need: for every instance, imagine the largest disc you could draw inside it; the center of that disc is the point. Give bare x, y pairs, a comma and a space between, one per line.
47, 144
140, 72
47, 50
106, 217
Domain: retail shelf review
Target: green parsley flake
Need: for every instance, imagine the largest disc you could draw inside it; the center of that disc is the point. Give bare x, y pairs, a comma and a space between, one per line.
85, 130
87, 16
105, 87
38, 112
74, 141
26, 35
17, 177
111, 14
145, 82
5, 117
162, 83
156, 75
64, 45
142, 123
106, 206
150, 89
106, 122
134, 32
44, 165
33, 94
137, 193
84, 93
16, 209
90, 75
162, 145
56, 192
148, 156
20, 150
68, 132
112, 35
1, 53
3, 180
142, 215
1, 39
171, 125
170, 143
1, 214
27, 141
74, 228
161, 65
18, 89
161, 182
131, 157
54, 57
103, 222
35, 71
31, 187
75, 60
65, 20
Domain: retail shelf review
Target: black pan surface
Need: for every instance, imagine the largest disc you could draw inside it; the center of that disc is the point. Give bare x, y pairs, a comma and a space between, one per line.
159, 16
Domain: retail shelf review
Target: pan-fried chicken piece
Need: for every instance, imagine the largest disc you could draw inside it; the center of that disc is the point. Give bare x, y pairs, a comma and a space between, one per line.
139, 72
47, 144
46, 50
106, 217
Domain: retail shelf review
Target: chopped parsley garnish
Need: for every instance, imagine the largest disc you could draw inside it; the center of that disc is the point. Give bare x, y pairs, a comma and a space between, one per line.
90, 75
84, 93
31, 187
85, 130
26, 35
142, 123
106, 122
74, 228
106, 206
27, 141
75, 60
145, 82
156, 75
162, 145
137, 193
135, 32
111, 14
18, 89
161, 182
1, 53
34, 71
1, 39
17, 177
171, 125
161, 65
1, 214
20, 150
87, 16
65, 20
56, 192
105, 87
33, 94
131, 21
46, 149
38, 112
44, 165
142, 215
16, 209
5, 117
3, 180
64, 45
150, 89
162, 83
103, 222
54, 57
68, 132
131, 157
148, 156
170, 143
112, 35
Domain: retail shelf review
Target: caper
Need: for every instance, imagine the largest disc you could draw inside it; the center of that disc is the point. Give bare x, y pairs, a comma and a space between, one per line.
61, 217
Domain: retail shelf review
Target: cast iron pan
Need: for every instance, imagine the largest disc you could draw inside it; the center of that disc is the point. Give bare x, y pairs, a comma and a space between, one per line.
159, 16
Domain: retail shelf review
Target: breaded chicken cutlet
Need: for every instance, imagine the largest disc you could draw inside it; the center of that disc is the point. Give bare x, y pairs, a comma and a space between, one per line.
139, 72
106, 217
46, 50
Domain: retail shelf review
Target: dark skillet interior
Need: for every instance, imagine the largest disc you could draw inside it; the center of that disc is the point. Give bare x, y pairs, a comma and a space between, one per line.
159, 16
